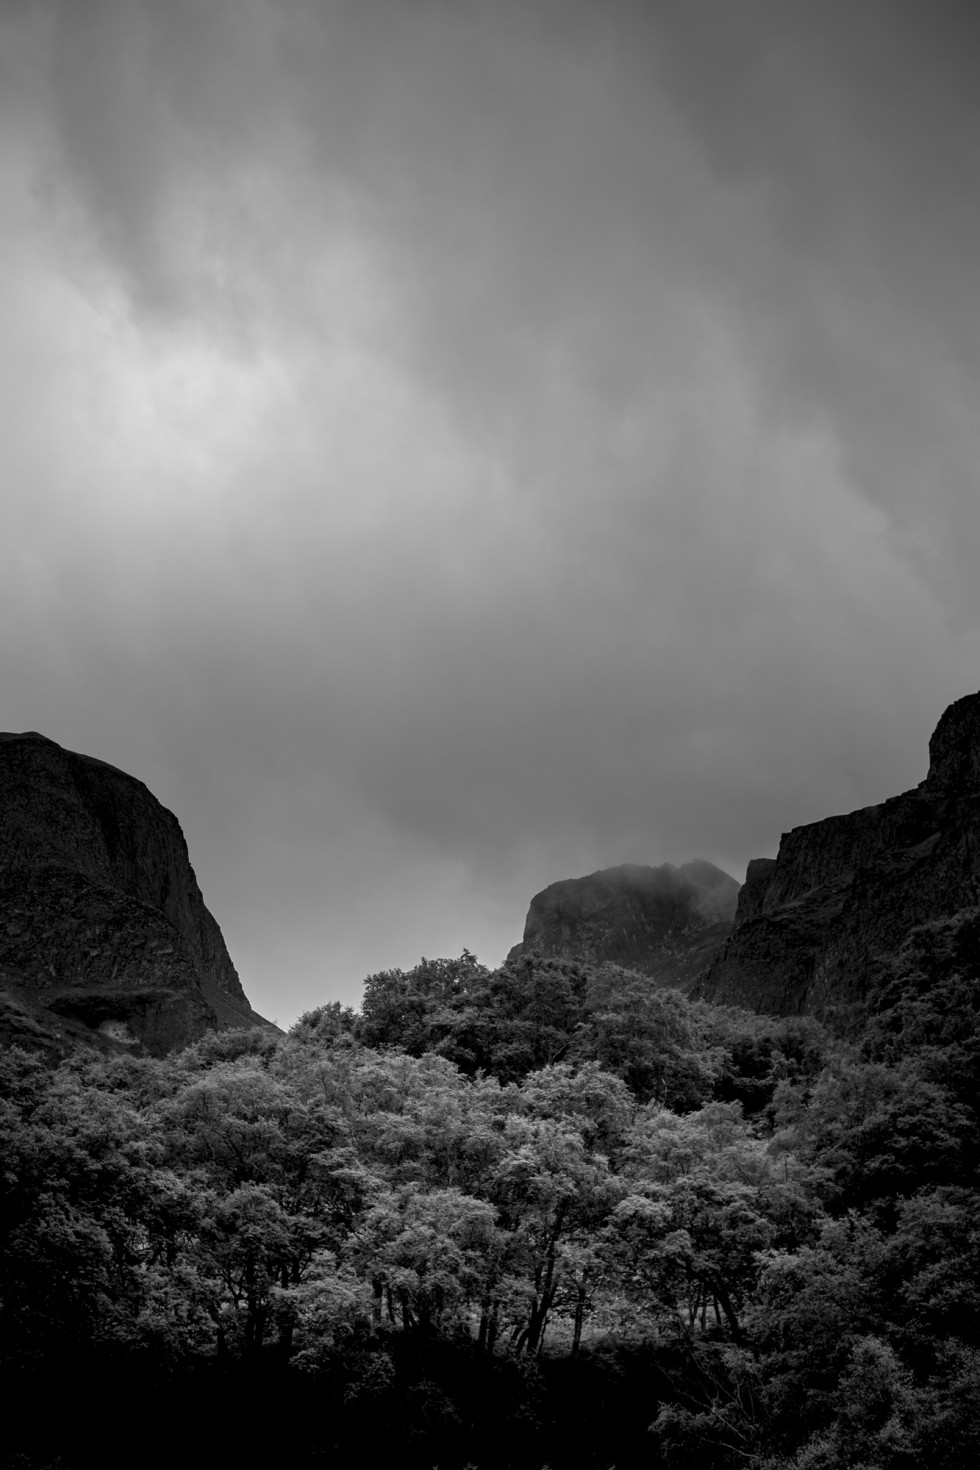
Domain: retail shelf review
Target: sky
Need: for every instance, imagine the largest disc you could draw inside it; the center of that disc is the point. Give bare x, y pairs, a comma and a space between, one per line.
449, 446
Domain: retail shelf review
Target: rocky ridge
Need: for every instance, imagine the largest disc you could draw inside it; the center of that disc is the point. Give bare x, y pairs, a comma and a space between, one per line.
814, 923
103, 929
666, 922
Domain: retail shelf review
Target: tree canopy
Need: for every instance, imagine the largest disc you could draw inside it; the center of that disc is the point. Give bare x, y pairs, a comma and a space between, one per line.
550, 1213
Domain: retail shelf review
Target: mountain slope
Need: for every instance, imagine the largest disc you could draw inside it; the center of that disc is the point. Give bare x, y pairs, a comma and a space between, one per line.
813, 923
102, 923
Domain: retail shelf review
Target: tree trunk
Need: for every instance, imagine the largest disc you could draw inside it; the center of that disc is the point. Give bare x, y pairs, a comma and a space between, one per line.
538, 1320
579, 1319
487, 1335
729, 1311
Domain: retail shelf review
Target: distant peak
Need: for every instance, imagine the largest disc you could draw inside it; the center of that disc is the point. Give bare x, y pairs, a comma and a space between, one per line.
667, 922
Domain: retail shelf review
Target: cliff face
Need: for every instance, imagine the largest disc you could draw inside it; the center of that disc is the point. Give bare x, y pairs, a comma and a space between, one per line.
812, 923
103, 928
665, 922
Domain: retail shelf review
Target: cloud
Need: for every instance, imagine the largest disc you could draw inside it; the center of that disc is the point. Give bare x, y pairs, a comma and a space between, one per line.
458, 446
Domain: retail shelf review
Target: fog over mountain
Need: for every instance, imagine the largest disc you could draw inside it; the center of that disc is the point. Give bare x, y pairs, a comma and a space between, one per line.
450, 448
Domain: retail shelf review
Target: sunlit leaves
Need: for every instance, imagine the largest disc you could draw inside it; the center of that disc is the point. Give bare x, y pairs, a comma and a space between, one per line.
788, 1232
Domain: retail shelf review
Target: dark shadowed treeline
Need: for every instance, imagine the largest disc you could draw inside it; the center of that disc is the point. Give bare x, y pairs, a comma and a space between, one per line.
545, 1215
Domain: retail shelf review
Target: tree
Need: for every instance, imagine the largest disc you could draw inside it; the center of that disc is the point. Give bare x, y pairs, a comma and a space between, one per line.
932, 1266
400, 1009
883, 1133
647, 1035
549, 1192
809, 1307
429, 1256
588, 1098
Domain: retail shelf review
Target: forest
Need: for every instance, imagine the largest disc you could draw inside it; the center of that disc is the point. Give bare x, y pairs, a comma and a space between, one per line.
544, 1216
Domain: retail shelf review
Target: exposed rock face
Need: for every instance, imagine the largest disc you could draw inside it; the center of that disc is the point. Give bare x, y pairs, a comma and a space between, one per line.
842, 893
102, 923
665, 922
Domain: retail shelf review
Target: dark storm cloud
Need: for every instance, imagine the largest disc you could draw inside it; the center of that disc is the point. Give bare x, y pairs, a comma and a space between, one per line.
457, 446
857, 127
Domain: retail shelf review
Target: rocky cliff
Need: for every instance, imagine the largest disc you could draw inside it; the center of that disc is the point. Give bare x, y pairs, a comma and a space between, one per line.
103, 929
665, 922
813, 923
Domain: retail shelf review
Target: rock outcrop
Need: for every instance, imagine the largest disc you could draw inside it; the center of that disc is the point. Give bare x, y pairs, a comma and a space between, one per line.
103, 929
665, 922
841, 895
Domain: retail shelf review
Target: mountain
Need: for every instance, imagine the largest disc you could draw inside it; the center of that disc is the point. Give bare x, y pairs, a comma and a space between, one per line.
103, 930
665, 922
814, 923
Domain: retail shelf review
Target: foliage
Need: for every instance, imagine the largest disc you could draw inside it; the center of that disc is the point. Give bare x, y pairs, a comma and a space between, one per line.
523, 1215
